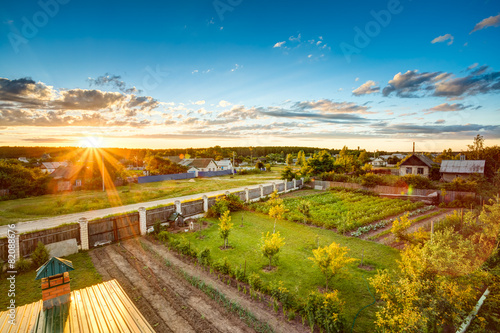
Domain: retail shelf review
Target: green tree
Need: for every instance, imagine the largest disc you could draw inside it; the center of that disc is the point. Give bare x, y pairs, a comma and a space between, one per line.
271, 245
331, 260
288, 174
40, 255
475, 150
320, 162
259, 165
304, 208
289, 159
225, 226
301, 158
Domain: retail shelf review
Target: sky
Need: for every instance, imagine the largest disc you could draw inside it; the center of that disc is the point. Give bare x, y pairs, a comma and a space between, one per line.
377, 75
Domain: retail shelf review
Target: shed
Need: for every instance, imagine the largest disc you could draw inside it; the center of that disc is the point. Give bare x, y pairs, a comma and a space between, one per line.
451, 169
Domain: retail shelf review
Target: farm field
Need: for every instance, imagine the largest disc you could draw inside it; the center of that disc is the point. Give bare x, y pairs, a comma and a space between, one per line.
297, 273
169, 302
80, 201
342, 210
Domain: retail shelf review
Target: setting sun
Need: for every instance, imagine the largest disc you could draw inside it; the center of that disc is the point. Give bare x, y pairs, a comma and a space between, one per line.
91, 142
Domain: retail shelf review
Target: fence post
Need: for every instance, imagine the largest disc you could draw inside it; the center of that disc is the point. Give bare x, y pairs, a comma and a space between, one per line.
17, 248
286, 184
302, 182
84, 233
261, 191
143, 217
294, 184
178, 207
205, 203
274, 187
247, 195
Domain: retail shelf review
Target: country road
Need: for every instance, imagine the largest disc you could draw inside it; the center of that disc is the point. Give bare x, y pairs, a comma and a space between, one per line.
51, 222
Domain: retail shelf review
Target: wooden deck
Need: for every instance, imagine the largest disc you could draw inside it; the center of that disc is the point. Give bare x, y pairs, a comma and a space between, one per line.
104, 307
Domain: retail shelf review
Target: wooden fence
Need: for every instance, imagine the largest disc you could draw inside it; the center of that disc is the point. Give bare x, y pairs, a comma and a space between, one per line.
4, 243
449, 197
192, 208
268, 189
113, 229
160, 214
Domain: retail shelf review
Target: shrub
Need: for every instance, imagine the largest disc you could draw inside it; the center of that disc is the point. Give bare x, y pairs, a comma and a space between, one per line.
415, 181
239, 274
255, 281
335, 177
325, 311
223, 266
163, 236
372, 180
204, 258
223, 203
23, 265
157, 227
40, 255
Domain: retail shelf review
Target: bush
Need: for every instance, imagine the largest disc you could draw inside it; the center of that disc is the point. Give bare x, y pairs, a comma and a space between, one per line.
255, 281
157, 227
372, 180
239, 274
204, 258
23, 265
335, 177
222, 266
40, 255
163, 236
325, 311
223, 203
415, 181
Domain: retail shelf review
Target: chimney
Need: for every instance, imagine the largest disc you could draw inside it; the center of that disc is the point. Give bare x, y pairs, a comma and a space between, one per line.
55, 282
413, 147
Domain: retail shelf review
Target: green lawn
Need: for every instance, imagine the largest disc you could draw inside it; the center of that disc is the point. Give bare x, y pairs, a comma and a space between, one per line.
28, 289
297, 273
74, 202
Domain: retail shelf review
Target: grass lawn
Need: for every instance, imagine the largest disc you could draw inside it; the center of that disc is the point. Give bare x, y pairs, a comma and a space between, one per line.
80, 201
297, 273
28, 290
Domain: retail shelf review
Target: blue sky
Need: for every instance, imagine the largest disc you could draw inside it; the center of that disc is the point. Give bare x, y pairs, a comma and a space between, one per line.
374, 74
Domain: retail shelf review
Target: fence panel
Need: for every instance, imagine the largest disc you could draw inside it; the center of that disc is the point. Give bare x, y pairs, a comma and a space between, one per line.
113, 228
160, 214
192, 208
160, 178
211, 201
4, 249
242, 195
29, 241
268, 189
289, 185
280, 187
214, 173
299, 182
254, 193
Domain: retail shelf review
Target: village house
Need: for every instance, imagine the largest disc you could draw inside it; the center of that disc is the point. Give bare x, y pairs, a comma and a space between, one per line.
49, 167
67, 178
451, 169
416, 165
199, 164
379, 162
23, 159
224, 165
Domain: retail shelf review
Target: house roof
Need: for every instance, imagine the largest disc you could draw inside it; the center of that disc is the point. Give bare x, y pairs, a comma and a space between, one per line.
104, 307
223, 163
424, 159
175, 159
54, 266
198, 163
53, 165
66, 172
456, 166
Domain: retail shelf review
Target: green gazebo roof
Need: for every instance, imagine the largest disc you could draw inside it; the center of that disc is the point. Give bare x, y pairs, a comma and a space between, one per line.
54, 266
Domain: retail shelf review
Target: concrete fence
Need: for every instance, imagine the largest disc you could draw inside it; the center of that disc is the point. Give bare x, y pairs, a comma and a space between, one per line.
89, 234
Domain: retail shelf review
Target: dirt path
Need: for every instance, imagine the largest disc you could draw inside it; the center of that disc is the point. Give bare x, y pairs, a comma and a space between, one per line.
261, 312
170, 304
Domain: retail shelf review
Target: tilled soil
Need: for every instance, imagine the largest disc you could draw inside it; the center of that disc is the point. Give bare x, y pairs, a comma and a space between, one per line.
169, 303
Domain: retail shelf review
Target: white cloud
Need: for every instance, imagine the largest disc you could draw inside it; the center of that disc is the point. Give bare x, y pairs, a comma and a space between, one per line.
236, 67
492, 21
201, 102
443, 38
369, 87
279, 44
357, 79
224, 104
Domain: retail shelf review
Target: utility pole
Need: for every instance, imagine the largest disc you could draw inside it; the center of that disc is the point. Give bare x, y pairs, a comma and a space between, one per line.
233, 164
102, 166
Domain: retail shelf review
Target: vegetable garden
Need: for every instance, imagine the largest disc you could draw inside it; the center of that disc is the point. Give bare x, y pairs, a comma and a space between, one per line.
342, 210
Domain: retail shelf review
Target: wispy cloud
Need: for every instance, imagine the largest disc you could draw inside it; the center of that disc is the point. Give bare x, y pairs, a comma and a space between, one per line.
446, 107
114, 81
492, 21
443, 38
279, 44
369, 87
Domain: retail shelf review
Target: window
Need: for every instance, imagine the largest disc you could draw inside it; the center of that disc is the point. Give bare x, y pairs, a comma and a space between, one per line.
78, 182
408, 171
420, 171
